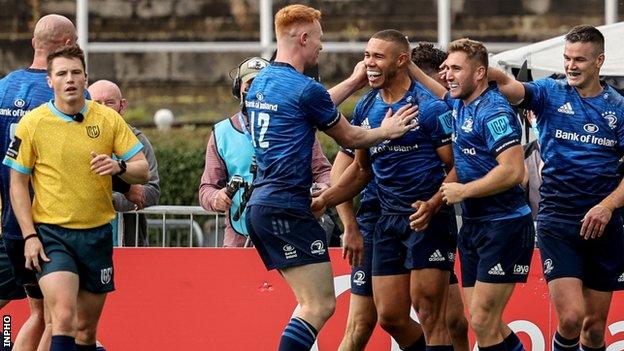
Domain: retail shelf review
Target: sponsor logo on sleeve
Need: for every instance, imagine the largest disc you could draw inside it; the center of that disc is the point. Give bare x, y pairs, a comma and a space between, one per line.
13, 149
446, 121
499, 127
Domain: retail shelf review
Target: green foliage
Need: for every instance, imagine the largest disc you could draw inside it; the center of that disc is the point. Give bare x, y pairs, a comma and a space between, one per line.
180, 154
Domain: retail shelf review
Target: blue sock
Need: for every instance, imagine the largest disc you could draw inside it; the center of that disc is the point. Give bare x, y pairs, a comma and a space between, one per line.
62, 343
560, 343
497, 347
439, 347
419, 345
86, 347
587, 348
513, 343
298, 335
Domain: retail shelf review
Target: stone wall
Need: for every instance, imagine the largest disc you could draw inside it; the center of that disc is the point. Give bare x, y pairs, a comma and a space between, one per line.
237, 20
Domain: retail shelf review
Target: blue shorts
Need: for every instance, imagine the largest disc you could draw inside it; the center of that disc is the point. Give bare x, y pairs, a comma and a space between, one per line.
599, 263
286, 237
496, 251
15, 251
399, 249
361, 283
9, 289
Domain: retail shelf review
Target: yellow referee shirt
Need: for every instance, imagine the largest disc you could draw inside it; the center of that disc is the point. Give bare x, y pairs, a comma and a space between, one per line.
56, 151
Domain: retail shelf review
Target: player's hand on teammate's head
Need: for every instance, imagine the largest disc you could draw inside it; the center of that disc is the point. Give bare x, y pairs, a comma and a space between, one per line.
359, 75
400, 122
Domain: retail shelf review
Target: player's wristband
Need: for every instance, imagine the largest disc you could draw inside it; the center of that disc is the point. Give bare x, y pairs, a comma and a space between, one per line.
30, 236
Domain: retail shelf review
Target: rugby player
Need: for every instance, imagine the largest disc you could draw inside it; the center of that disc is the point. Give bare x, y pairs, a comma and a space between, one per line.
497, 236
579, 222
285, 107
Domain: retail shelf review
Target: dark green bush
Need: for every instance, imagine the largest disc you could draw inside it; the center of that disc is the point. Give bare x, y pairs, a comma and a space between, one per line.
180, 154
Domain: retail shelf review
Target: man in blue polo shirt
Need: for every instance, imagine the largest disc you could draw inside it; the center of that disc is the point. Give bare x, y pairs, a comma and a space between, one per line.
581, 134
285, 107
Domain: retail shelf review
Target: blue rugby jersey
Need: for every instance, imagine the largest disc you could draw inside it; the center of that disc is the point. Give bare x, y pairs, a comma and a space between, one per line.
285, 107
407, 169
20, 92
581, 141
483, 129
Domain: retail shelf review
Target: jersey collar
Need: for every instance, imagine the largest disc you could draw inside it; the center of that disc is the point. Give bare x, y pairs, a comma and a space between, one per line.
64, 116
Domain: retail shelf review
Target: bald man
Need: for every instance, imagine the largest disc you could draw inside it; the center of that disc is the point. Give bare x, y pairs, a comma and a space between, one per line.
139, 195
21, 91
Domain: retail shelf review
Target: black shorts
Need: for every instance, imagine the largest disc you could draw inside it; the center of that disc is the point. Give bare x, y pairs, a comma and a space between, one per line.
86, 252
599, 263
15, 251
9, 289
497, 251
286, 237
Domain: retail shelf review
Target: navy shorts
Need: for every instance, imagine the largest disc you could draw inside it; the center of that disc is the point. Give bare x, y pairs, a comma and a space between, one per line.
399, 249
361, 283
15, 251
496, 251
9, 289
286, 237
86, 252
599, 263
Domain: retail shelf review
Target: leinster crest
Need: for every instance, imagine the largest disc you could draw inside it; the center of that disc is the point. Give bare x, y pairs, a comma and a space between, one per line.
93, 131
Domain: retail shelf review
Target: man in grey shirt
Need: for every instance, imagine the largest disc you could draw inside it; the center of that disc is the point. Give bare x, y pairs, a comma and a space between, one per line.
137, 196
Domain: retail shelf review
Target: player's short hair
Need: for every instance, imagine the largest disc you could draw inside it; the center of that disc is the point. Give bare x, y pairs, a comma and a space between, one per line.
475, 50
393, 36
291, 15
72, 51
587, 34
426, 56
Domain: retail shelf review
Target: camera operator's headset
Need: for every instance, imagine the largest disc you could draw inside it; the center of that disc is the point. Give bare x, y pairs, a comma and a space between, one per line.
259, 63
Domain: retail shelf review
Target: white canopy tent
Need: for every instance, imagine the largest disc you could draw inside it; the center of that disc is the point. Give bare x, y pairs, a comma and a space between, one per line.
546, 57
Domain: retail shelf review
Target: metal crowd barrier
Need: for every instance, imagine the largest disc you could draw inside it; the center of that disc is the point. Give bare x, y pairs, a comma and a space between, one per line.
165, 228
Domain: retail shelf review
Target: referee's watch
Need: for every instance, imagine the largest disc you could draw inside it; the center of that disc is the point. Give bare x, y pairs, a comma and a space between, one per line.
122, 167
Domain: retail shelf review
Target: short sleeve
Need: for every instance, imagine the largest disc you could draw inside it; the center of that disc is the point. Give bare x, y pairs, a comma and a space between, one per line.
21, 154
318, 106
437, 122
501, 131
125, 143
536, 95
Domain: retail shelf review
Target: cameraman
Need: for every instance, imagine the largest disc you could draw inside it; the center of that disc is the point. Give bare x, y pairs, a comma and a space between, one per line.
229, 153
